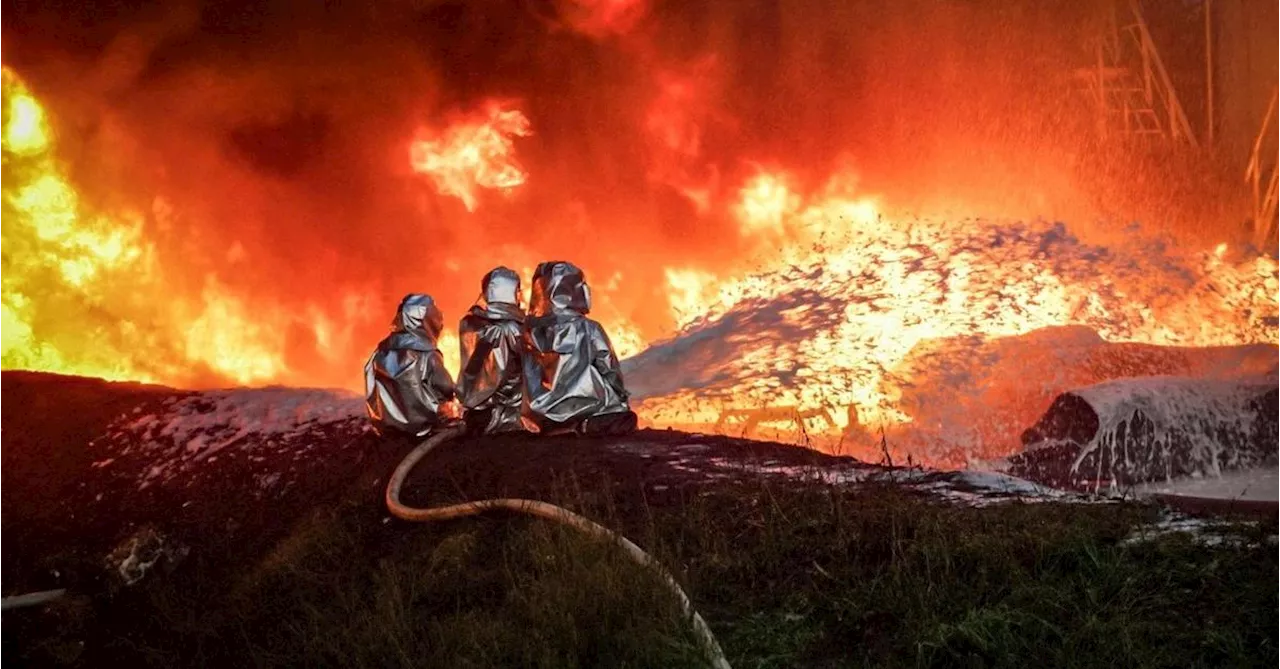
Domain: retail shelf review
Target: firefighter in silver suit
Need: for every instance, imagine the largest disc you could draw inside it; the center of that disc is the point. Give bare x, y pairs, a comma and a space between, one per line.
408, 391
572, 378
491, 336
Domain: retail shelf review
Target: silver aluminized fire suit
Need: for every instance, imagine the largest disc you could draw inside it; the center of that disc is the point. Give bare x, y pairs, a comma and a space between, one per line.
491, 335
405, 380
571, 372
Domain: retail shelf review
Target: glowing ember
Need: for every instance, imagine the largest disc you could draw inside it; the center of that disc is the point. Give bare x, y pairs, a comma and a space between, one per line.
473, 154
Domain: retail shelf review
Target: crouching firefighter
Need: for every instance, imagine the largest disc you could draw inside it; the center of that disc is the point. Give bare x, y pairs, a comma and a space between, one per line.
491, 335
408, 391
572, 378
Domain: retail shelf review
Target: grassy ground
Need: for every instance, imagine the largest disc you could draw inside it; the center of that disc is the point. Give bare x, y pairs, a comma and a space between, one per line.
802, 575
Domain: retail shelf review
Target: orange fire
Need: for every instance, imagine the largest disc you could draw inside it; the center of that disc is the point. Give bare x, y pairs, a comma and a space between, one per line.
475, 153
62, 260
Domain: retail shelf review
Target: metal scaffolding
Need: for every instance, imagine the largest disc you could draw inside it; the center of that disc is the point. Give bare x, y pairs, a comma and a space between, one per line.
1262, 161
1128, 81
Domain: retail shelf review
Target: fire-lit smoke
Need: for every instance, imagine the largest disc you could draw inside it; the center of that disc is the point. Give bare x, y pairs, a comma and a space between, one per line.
219, 195
676, 121
603, 18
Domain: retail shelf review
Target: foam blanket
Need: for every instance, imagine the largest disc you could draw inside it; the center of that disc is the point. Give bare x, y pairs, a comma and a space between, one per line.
1138, 430
968, 397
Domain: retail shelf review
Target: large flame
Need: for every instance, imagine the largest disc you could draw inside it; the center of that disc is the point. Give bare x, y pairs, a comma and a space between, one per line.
64, 263
474, 153
51, 246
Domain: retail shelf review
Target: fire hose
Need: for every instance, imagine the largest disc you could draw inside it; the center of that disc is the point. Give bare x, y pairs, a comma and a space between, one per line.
549, 512
31, 599
532, 507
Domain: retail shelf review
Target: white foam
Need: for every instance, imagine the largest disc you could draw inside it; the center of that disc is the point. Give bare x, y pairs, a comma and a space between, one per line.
1251, 485
1208, 417
1004, 484
197, 428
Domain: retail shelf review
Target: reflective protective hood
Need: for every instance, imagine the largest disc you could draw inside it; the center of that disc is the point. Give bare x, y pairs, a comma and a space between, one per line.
418, 313
406, 383
559, 286
499, 297
571, 371
500, 285
491, 383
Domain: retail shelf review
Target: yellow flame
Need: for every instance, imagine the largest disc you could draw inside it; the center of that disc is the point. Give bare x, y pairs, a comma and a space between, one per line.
451, 351
51, 242
84, 293
25, 131
626, 339
690, 291
474, 154
765, 203
231, 341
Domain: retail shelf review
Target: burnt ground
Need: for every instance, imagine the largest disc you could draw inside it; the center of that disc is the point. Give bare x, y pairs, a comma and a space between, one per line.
64, 511
86, 467
71, 487
47, 424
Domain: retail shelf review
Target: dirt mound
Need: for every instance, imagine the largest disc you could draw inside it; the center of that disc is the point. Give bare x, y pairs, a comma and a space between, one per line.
221, 475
